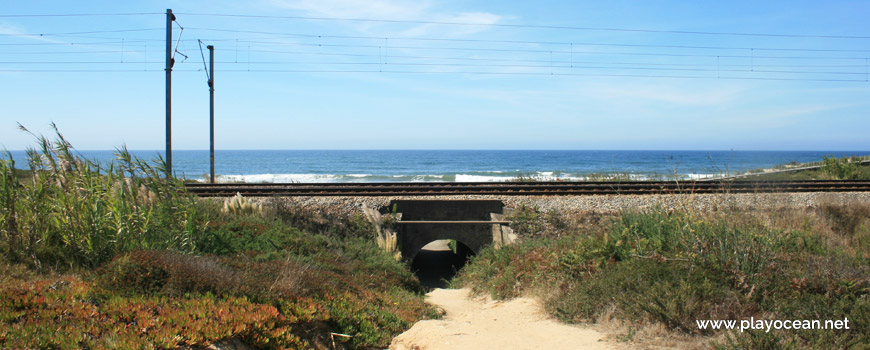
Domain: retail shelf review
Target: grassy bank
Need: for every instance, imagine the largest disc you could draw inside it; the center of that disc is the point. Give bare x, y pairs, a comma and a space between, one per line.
117, 256
831, 168
671, 268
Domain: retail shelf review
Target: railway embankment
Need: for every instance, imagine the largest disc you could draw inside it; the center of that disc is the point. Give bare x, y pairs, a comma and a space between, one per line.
349, 206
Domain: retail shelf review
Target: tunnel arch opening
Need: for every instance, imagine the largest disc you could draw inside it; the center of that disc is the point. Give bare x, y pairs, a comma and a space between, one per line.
439, 261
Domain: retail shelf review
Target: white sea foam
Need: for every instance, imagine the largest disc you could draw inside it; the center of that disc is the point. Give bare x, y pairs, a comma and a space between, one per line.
279, 178
481, 178
318, 178
701, 176
495, 177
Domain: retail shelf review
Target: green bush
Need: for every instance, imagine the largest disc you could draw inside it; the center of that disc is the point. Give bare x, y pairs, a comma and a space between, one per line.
840, 169
674, 268
146, 250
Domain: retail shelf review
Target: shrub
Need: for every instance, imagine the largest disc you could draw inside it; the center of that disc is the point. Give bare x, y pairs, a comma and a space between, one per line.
163, 269
527, 221
75, 213
840, 169
68, 313
674, 268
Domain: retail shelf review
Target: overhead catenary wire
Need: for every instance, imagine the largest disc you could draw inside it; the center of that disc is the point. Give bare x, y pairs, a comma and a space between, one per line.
444, 73
578, 65
82, 32
561, 43
533, 57
575, 65
455, 48
379, 56
556, 64
84, 43
862, 59
507, 25
61, 52
80, 14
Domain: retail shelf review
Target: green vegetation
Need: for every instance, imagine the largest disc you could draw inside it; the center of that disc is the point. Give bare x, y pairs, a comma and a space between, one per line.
840, 169
117, 256
675, 267
831, 168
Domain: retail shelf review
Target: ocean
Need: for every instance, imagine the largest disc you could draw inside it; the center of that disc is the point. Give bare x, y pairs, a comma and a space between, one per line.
309, 166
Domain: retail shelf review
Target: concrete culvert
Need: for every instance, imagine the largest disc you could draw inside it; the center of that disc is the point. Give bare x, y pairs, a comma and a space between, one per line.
437, 263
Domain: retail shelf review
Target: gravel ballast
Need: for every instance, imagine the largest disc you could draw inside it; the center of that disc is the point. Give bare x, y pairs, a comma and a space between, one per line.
349, 206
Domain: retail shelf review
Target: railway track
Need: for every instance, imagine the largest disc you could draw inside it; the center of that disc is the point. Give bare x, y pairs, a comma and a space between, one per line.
522, 188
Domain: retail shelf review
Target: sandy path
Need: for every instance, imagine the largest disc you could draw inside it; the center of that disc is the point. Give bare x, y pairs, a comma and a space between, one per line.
482, 324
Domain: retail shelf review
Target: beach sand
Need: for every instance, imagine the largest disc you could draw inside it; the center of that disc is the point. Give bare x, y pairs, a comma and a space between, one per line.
480, 323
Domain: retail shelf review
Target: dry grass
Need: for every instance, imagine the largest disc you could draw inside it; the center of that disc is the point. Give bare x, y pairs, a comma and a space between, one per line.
647, 276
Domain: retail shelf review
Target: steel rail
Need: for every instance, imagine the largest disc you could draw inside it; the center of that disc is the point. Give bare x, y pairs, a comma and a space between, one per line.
521, 188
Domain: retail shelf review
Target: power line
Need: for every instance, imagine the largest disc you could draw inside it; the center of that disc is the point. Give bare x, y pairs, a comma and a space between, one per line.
543, 74
532, 26
126, 41
77, 70
565, 43
570, 52
75, 33
338, 54
84, 62
82, 15
557, 67
483, 59
65, 52
559, 64
555, 74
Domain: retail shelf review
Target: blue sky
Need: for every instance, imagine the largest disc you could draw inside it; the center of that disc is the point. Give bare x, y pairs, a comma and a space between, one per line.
443, 74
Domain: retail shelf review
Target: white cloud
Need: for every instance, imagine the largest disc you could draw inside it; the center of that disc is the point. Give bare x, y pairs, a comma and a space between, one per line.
797, 111
479, 21
8, 30
682, 95
395, 10
379, 9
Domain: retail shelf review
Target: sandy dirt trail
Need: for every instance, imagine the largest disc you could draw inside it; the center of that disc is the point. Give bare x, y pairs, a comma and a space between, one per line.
477, 323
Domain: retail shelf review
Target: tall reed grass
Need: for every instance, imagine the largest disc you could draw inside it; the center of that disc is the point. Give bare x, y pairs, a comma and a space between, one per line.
72, 212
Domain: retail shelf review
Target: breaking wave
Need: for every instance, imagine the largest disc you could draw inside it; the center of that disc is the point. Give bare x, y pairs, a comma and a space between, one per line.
489, 176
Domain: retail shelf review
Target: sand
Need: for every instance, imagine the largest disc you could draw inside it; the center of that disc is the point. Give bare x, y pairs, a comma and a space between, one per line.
479, 323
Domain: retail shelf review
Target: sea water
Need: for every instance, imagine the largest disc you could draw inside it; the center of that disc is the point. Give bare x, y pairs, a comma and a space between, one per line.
310, 166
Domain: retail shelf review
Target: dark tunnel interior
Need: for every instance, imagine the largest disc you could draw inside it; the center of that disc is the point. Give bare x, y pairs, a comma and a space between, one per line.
436, 264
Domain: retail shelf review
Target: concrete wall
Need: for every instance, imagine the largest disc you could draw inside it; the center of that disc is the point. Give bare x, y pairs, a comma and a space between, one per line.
412, 237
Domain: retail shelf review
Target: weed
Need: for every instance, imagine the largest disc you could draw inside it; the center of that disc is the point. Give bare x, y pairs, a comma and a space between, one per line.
158, 268
75, 213
673, 268
526, 221
840, 169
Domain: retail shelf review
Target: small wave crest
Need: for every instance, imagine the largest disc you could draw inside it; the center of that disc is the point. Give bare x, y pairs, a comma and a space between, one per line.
326, 178
487, 176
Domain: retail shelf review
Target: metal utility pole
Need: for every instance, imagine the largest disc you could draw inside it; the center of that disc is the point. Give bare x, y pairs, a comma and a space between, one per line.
211, 106
169, 63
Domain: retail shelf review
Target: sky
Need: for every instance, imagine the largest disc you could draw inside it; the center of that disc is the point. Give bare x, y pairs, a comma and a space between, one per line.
390, 74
